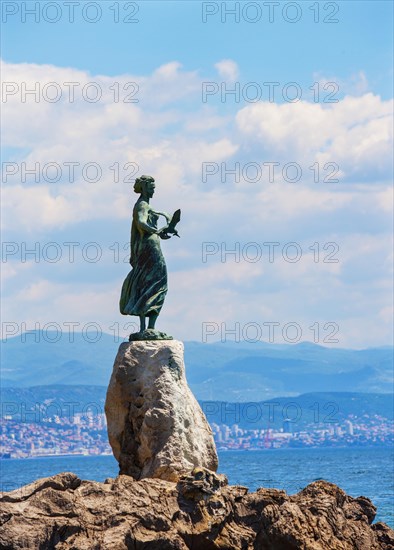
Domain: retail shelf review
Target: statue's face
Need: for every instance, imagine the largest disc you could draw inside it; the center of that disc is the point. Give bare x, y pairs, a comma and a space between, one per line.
150, 188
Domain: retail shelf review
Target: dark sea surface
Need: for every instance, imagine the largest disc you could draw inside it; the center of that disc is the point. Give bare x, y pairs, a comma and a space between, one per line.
362, 471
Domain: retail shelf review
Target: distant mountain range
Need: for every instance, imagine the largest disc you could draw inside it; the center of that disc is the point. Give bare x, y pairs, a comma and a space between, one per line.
221, 371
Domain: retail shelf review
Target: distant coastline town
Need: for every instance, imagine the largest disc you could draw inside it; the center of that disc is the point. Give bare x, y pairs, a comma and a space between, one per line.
86, 434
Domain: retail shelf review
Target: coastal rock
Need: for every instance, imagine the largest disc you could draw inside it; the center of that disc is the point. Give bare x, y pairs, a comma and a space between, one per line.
200, 512
156, 427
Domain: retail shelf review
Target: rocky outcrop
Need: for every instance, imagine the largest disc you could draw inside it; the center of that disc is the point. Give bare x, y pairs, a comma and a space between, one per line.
200, 512
156, 428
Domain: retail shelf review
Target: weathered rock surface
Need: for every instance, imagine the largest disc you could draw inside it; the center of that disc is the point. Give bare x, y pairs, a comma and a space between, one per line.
156, 427
199, 512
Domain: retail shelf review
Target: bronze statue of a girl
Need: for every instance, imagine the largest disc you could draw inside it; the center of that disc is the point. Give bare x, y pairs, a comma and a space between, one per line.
145, 287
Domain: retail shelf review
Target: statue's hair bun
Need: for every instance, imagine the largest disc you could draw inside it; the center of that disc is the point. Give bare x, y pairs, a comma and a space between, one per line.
139, 182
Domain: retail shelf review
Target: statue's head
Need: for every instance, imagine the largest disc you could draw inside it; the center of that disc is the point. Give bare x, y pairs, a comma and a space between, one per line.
145, 185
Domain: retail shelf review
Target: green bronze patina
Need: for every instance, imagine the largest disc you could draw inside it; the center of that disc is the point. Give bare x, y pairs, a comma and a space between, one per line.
145, 287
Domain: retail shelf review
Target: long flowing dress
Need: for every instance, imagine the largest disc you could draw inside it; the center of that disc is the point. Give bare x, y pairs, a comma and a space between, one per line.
145, 287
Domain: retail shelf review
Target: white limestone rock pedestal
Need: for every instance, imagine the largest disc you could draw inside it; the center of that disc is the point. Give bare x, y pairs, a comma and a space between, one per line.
156, 427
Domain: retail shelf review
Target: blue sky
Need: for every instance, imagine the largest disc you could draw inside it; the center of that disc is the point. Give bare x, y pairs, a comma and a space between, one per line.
171, 54
167, 31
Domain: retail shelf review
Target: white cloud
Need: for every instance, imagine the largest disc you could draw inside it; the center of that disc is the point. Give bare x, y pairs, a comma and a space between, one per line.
228, 70
356, 84
170, 133
355, 133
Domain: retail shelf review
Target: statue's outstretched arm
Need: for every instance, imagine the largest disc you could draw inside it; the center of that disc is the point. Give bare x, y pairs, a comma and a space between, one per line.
142, 219
167, 216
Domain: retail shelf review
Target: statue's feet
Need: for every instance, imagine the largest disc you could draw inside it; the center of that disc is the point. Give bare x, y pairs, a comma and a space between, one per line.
149, 334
